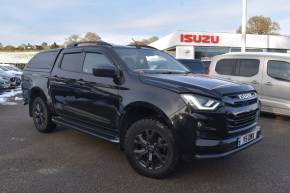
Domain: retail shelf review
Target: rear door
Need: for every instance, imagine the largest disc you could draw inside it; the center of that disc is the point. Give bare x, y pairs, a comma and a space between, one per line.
249, 71
275, 94
242, 70
63, 82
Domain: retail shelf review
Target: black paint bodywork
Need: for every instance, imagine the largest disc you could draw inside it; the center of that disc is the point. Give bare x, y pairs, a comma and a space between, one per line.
100, 105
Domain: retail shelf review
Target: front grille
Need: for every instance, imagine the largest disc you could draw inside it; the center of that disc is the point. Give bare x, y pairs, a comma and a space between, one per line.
241, 120
245, 103
242, 111
235, 101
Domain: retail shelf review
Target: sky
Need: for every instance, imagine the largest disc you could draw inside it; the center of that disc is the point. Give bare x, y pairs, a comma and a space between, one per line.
36, 21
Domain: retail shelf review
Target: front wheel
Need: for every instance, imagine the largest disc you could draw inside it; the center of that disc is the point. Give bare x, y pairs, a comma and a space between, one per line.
42, 116
150, 148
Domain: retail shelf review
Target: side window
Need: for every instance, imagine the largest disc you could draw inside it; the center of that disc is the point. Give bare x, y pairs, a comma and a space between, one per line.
279, 70
226, 66
95, 60
72, 62
43, 60
248, 67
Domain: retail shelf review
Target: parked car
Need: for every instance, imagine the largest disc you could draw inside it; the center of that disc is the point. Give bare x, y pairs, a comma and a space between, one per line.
4, 84
12, 67
144, 100
194, 65
7, 77
12, 73
269, 73
206, 64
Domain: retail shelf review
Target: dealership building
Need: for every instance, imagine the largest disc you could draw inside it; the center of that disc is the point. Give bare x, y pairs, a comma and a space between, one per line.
200, 45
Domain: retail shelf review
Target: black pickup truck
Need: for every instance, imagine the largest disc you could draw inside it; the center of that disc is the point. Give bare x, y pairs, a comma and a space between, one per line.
144, 100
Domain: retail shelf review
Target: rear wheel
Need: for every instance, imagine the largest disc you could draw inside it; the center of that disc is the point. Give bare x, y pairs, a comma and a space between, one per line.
150, 148
42, 116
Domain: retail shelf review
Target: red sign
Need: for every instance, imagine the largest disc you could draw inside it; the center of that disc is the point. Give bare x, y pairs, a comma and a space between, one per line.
199, 38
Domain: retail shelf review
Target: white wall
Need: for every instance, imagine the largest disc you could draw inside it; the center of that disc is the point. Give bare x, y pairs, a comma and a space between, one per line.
184, 52
226, 40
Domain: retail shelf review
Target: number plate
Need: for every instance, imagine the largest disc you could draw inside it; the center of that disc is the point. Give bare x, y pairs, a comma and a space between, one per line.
247, 138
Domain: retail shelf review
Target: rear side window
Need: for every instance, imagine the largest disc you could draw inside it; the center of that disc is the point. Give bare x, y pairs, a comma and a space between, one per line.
43, 60
95, 60
248, 67
226, 66
238, 67
72, 62
279, 70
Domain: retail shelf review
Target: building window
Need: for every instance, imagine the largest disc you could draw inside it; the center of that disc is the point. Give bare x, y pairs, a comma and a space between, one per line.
209, 52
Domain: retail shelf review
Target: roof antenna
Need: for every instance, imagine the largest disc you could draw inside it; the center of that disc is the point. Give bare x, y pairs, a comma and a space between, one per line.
136, 43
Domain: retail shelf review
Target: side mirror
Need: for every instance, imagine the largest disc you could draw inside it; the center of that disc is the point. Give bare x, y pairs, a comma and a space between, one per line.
105, 71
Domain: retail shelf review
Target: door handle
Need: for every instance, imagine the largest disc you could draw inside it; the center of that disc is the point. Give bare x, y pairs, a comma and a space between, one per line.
269, 84
254, 82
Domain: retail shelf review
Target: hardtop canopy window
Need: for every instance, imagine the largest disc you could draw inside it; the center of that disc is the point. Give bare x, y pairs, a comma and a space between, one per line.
279, 70
43, 60
150, 61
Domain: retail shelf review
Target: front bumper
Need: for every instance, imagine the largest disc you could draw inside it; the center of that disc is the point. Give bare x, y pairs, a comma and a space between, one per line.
208, 148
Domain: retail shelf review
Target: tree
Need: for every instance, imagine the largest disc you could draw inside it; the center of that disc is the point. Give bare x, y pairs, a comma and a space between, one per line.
145, 41
261, 25
90, 36
44, 45
1, 45
72, 39
54, 46
9, 48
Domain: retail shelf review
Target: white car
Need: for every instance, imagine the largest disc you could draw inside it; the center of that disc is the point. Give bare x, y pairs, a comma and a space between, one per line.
269, 73
10, 70
4, 84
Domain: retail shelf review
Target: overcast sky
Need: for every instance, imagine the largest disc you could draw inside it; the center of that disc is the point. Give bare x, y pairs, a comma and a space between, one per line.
119, 21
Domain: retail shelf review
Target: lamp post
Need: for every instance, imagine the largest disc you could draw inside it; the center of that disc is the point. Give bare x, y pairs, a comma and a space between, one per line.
244, 26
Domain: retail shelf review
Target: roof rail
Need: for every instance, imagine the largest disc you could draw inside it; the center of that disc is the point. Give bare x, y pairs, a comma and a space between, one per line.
142, 46
87, 43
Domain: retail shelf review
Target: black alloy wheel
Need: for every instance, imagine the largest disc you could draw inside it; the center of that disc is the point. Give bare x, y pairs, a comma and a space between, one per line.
150, 148
42, 116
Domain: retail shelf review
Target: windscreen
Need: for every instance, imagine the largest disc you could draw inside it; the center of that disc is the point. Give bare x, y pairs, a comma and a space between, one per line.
150, 61
195, 67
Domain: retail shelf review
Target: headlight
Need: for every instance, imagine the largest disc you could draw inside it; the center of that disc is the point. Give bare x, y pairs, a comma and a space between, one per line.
200, 102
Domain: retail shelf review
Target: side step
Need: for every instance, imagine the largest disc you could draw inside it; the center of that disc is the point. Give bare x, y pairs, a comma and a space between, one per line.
97, 132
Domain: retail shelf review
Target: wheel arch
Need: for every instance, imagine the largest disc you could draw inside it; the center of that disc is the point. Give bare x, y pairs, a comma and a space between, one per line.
136, 111
35, 92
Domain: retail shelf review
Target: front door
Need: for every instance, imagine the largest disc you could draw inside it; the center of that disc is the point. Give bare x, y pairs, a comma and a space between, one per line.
275, 94
99, 100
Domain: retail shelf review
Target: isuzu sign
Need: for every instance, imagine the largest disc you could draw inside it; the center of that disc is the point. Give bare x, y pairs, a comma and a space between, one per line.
199, 38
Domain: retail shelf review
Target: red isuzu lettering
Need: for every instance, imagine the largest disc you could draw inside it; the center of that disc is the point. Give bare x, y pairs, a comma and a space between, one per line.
199, 38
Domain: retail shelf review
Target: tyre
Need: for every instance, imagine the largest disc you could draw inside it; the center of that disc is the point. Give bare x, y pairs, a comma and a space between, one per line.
42, 116
150, 148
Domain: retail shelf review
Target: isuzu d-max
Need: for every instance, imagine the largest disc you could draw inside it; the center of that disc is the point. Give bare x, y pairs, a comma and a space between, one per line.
144, 100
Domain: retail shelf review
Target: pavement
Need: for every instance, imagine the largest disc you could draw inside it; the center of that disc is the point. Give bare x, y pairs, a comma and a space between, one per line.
69, 161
